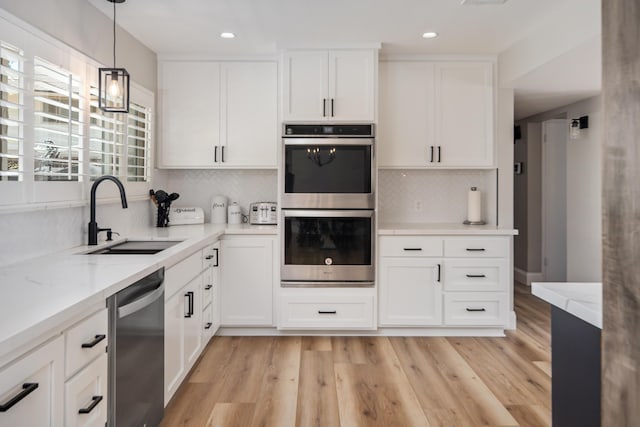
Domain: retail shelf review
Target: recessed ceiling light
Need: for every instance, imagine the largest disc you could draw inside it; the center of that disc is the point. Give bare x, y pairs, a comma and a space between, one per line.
227, 35
430, 35
481, 2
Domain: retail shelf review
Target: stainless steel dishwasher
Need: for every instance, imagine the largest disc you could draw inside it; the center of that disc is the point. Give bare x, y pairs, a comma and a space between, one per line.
136, 353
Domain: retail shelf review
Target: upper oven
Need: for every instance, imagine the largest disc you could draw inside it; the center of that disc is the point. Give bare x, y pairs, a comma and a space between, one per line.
328, 167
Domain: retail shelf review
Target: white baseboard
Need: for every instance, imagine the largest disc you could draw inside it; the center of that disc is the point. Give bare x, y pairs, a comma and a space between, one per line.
527, 277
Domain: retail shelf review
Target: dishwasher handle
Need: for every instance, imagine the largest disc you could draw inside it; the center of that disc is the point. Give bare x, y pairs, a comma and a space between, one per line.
142, 302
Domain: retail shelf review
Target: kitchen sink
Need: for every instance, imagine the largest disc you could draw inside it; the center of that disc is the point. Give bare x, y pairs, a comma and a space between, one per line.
136, 247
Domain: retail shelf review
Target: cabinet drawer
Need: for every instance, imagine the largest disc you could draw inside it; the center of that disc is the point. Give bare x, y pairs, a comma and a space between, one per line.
38, 378
476, 275
208, 287
477, 247
209, 327
86, 341
210, 256
327, 312
410, 246
87, 392
475, 308
181, 274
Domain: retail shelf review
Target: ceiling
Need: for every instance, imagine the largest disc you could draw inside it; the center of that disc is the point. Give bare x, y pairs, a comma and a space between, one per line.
192, 27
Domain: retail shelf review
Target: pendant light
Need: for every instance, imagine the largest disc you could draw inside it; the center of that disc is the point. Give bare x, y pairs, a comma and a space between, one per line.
113, 83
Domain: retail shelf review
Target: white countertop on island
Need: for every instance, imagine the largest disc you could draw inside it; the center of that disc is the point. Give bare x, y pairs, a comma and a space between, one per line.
390, 229
40, 293
583, 300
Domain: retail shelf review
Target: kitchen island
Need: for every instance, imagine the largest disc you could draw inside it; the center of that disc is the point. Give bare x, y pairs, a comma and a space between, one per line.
576, 323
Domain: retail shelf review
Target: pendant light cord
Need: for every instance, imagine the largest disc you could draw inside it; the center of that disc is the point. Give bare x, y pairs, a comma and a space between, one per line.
114, 34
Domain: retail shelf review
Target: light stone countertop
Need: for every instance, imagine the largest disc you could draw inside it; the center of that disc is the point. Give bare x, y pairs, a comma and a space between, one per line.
583, 300
40, 294
390, 229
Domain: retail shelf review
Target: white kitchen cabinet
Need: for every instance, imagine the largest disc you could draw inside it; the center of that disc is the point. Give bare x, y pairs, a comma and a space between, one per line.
183, 336
86, 395
436, 114
218, 114
35, 383
190, 113
334, 85
410, 291
247, 268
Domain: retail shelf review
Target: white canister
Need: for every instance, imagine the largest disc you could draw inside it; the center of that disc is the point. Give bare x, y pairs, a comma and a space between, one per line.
218, 210
235, 213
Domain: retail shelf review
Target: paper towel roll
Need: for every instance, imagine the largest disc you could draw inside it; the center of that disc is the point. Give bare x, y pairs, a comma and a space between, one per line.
474, 205
218, 210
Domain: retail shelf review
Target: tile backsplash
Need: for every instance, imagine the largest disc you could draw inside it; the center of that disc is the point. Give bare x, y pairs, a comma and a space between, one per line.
440, 196
197, 187
34, 233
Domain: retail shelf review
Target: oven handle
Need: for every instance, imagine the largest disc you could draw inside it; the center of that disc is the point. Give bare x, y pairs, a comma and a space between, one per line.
368, 141
293, 284
334, 213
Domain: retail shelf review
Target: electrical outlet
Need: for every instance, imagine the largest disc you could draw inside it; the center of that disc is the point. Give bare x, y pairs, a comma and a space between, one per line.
417, 205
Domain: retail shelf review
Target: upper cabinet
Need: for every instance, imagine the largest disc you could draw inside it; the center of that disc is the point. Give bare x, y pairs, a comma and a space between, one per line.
218, 114
436, 114
335, 85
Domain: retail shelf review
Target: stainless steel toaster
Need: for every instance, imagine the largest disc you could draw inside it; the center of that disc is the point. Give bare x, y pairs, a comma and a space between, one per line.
263, 213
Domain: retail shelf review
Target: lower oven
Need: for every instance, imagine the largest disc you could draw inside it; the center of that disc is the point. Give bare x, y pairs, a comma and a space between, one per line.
327, 248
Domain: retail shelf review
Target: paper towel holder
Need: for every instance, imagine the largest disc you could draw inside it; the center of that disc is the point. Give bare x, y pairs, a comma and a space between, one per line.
467, 222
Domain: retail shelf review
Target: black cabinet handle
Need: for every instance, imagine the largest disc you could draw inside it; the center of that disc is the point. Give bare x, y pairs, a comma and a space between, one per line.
475, 249
209, 257
222, 156
431, 160
215, 154
412, 249
94, 402
189, 296
439, 269
439, 154
206, 288
27, 389
217, 264
208, 325
331, 107
93, 343
476, 276
476, 309
324, 107
327, 312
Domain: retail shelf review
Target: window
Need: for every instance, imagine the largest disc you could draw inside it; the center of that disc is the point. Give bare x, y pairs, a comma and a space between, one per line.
119, 143
58, 124
11, 113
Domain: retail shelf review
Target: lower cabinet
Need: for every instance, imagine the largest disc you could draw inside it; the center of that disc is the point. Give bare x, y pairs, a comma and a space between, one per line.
410, 291
32, 388
85, 395
327, 308
182, 335
247, 267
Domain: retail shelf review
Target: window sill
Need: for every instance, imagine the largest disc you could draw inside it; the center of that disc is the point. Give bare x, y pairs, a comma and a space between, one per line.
33, 207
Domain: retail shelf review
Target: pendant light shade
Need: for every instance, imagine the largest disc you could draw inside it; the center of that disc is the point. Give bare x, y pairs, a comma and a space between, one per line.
113, 83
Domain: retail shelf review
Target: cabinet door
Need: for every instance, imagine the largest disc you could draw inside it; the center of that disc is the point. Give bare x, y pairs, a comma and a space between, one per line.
249, 125
352, 85
37, 379
464, 113
192, 299
247, 282
305, 85
405, 133
410, 292
87, 392
173, 344
190, 120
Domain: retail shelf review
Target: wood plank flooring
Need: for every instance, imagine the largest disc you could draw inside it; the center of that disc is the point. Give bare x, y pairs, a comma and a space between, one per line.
374, 381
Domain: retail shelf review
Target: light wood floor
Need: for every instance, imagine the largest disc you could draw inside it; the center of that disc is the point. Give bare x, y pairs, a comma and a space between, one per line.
374, 381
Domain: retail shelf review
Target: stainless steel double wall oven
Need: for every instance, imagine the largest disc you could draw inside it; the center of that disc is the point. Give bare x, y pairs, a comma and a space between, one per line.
328, 201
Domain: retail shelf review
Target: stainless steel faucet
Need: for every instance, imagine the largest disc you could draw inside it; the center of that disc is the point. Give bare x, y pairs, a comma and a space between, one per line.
93, 226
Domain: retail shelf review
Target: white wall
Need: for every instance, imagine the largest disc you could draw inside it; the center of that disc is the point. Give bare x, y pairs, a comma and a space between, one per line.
584, 188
